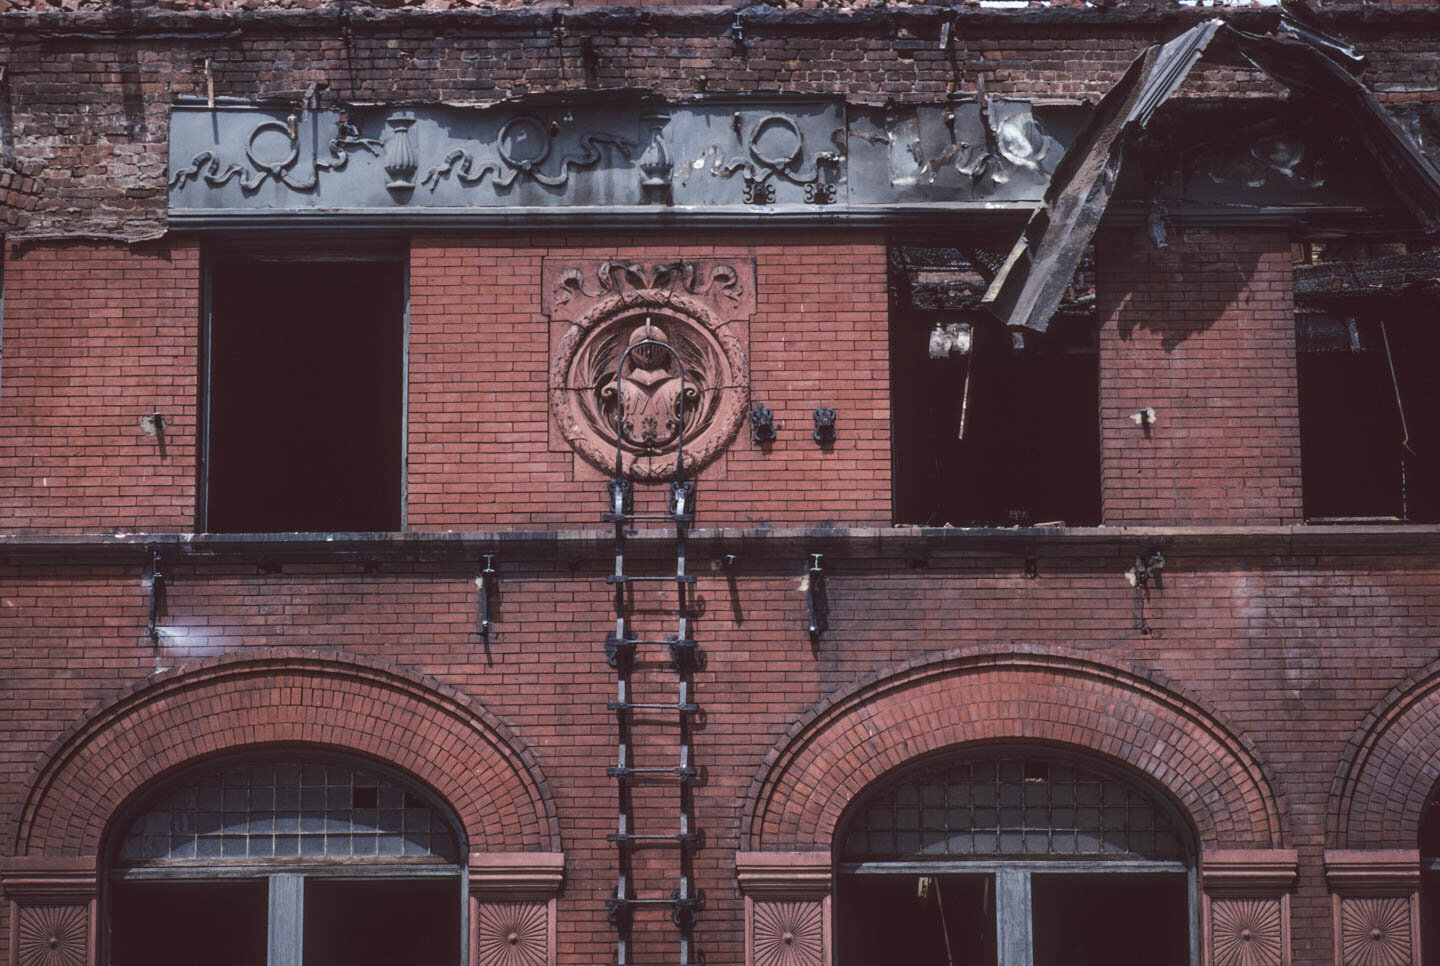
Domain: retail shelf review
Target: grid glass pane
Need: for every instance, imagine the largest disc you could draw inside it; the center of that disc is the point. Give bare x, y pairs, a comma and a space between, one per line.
286, 810
1014, 805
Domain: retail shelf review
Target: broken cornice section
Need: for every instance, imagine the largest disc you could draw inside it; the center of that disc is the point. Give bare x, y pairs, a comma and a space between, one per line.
1312, 64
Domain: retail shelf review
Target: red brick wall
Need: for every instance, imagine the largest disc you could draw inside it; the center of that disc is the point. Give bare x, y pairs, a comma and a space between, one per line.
483, 453
96, 336
1203, 333
1293, 655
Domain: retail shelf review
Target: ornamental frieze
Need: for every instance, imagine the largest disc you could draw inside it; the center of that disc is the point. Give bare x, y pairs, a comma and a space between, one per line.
751, 155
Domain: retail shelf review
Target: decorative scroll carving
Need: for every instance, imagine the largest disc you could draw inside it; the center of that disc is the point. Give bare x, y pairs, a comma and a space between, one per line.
1246, 932
788, 933
616, 276
273, 150
777, 148
52, 935
513, 934
1375, 931
524, 144
588, 394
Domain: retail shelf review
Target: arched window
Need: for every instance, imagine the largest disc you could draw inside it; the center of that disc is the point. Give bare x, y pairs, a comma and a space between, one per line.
286, 861
1430, 879
1014, 857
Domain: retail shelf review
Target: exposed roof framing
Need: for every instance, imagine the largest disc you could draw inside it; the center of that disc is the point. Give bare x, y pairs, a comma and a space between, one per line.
1028, 288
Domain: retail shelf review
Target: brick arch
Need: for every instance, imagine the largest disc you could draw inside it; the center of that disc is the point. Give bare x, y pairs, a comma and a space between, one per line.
796, 801
1388, 768
413, 723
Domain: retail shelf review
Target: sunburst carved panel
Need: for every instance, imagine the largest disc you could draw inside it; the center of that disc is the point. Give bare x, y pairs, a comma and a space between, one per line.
513, 934
788, 933
54, 935
1375, 931
1247, 932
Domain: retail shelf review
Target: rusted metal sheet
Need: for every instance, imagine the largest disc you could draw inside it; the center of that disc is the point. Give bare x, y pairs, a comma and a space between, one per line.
1029, 286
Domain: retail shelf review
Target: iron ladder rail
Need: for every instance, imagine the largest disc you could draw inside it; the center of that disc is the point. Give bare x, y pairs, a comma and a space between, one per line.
621, 647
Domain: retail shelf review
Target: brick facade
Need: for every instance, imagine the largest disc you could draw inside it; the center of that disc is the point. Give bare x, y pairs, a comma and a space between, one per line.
1276, 684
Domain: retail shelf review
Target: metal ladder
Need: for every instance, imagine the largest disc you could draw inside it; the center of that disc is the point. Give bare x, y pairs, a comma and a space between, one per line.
621, 647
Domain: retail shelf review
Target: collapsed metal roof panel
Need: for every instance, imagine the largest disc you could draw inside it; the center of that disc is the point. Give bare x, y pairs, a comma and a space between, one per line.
1028, 288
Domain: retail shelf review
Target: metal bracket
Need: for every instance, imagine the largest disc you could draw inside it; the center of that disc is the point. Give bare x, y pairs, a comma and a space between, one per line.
814, 590
622, 496
737, 33
620, 912
619, 654
486, 582
153, 423
762, 425
686, 909
157, 592
686, 656
1146, 570
682, 501
824, 426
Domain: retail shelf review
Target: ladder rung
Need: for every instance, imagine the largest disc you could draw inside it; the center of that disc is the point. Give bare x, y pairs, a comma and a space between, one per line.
626, 772
677, 578
623, 837
678, 642
652, 706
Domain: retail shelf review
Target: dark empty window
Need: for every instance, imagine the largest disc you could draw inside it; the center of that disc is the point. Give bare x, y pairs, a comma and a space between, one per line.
305, 395
1367, 341
1014, 857
992, 427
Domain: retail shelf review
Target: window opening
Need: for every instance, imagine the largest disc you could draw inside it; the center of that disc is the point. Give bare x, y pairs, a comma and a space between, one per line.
1369, 407
287, 810
1430, 880
1020, 857
992, 426
289, 862
305, 395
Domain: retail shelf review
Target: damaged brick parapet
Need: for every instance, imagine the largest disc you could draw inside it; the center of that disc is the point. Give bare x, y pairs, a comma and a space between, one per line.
19, 196
106, 15
89, 91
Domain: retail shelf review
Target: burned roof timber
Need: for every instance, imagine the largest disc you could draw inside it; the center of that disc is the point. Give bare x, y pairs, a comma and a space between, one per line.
1028, 288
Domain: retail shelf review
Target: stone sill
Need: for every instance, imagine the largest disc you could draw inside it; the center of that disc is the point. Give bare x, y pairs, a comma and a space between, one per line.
839, 544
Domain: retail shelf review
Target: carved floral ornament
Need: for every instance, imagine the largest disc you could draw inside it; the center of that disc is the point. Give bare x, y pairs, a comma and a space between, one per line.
694, 392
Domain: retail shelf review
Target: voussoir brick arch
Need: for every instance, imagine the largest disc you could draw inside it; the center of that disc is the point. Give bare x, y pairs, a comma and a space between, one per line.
1388, 768
319, 699
797, 799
